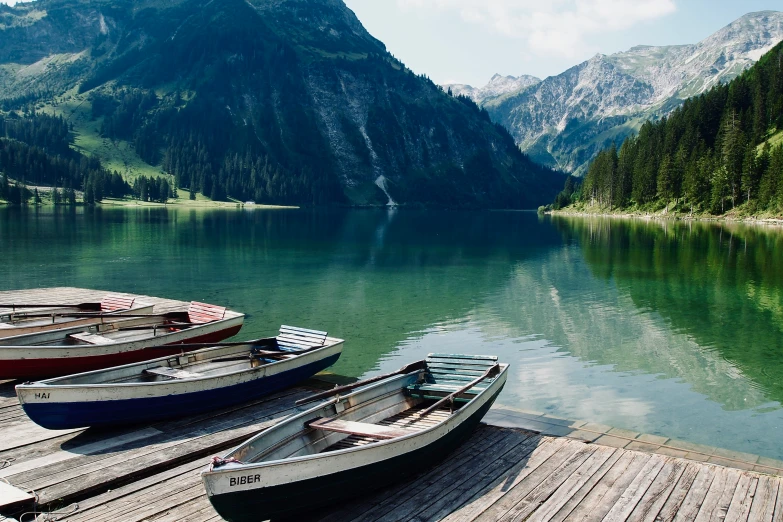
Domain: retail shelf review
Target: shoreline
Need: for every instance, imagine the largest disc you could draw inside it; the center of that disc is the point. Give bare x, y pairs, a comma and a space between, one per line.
774, 222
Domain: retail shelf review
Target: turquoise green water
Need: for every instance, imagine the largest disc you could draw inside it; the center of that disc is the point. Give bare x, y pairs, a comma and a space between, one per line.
667, 328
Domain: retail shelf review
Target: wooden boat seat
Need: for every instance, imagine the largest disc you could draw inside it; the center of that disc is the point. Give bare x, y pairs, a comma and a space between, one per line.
438, 391
165, 371
292, 338
205, 313
115, 302
358, 428
91, 338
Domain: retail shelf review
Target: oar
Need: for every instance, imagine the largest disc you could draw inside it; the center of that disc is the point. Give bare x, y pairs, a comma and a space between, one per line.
194, 346
261, 353
156, 326
491, 372
117, 314
408, 368
89, 306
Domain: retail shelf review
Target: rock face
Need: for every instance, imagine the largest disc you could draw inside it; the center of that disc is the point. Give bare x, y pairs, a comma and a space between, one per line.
288, 101
498, 86
565, 119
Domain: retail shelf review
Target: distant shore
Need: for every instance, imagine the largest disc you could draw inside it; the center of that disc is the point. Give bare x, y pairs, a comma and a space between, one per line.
669, 216
176, 203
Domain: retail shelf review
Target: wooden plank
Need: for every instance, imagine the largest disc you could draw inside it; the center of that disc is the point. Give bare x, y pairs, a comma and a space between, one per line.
517, 506
305, 330
693, 501
619, 461
483, 438
778, 516
590, 472
462, 356
90, 448
506, 494
358, 428
77, 478
741, 502
91, 338
527, 469
467, 363
173, 373
23, 432
448, 489
600, 500
116, 501
655, 497
12, 497
298, 340
636, 489
673, 503
763, 507
716, 502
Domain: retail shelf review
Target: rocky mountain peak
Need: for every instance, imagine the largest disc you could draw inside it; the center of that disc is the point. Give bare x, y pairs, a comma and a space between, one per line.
565, 119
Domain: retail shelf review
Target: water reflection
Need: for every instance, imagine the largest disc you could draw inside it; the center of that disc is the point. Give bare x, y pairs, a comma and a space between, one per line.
669, 328
717, 285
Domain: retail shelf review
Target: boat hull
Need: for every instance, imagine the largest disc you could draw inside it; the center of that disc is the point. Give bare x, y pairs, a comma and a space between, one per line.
287, 501
67, 415
36, 368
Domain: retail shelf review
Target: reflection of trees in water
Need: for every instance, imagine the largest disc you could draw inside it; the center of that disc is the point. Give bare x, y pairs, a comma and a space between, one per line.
721, 285
372, 276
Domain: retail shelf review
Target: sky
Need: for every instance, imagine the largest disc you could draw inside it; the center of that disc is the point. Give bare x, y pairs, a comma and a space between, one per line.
467, 41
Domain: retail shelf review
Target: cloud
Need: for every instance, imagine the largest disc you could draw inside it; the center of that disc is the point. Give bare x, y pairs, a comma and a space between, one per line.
550, 27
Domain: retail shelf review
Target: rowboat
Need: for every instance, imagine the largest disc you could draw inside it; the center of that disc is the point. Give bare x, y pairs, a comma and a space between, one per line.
78, 349
185, 384
28, 319
381, 433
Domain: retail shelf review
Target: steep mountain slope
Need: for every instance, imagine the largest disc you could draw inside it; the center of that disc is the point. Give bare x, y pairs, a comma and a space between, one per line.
564, 120
497, 86
280, 101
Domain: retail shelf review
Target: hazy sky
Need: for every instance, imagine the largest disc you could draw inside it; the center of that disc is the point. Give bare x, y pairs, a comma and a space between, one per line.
467, 41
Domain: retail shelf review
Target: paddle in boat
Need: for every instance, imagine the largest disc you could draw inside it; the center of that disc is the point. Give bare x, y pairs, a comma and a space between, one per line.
389, 429
140, 338
186, 384
35, 318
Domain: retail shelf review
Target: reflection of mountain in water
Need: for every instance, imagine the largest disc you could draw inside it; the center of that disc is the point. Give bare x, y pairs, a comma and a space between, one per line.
373, 277
718, 289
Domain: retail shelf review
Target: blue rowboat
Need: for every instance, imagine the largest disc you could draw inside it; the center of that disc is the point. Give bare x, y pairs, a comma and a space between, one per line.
345, 448
180, 385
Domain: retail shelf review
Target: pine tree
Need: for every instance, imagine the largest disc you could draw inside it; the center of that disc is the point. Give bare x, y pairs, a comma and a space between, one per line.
750, 180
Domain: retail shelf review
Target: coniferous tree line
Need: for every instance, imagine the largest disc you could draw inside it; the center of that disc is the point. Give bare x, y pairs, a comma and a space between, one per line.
705, 156
35, 151
153, 189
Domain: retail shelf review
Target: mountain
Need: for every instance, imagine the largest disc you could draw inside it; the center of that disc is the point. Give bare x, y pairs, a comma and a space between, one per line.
278, 101
497, 86
719, 152
564, 120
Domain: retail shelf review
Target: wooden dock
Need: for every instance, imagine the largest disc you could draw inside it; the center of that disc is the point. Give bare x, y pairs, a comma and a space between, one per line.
151, 472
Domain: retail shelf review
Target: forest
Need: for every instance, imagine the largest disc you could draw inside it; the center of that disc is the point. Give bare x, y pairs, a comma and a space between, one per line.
35, 151
711, 155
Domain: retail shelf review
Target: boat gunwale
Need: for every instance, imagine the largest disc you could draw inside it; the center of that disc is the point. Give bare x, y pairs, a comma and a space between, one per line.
47, 383
456, 415
120, 343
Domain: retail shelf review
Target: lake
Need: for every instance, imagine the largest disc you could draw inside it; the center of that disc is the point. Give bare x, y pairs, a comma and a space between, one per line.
668, 328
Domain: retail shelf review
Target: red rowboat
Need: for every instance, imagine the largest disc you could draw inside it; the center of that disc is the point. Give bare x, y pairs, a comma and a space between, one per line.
140, 338
34, 319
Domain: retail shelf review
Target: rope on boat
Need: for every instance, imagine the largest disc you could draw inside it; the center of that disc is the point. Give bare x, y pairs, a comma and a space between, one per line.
216, 462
